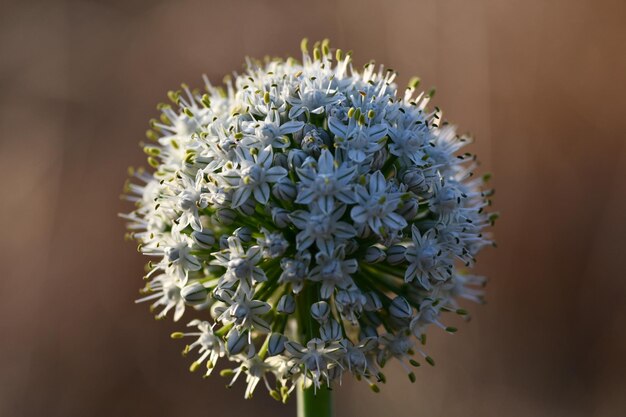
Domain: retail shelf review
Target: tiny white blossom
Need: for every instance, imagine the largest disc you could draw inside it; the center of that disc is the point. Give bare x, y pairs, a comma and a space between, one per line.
333, 271
358, 140
241, 265
426, 259
210, 346
376, 206
253, 176
165, 291
325, 182
321, 228
269, 132
315, 358
245, 313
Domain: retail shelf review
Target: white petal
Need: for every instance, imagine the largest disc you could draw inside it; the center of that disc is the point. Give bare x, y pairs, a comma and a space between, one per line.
265, 157
377, 183
275, 174
240, 196
337, 127
377, 132
326, 162
291, 127
326, 203
299, 218
358, 214
262, 193
394, 221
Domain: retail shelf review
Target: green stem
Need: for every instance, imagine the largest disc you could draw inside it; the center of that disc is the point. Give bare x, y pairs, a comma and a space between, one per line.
312, 403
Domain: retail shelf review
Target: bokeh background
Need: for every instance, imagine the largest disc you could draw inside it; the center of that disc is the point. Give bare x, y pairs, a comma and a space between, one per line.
540, 83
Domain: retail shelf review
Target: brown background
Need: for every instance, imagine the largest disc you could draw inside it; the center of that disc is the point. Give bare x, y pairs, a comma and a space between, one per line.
540, 83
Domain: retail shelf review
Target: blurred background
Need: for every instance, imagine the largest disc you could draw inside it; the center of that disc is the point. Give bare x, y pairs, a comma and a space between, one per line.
541, 85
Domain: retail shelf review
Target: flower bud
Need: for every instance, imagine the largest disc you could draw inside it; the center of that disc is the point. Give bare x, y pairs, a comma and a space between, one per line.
296, 158
374, 254
372, 302
286, 304
351, 246
395, 254
284, 190
380, 157
280, 159
363, 231
408, 209
217, 309
415, 180
194, 293
330, 331
314, 141
225, 216
276, 344
205, 238
320, 311
248, 208
237, 341
280, 217
223, 294
400, 308
244, 234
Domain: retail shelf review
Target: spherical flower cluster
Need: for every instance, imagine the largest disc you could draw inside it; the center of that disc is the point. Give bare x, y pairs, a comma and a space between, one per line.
316, 223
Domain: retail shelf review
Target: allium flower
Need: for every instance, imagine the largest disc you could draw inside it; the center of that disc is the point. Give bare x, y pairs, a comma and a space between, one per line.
252, 175
324, 182
313, 223
376, 206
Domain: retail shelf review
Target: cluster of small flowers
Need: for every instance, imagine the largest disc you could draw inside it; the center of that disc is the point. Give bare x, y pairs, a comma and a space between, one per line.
316, 219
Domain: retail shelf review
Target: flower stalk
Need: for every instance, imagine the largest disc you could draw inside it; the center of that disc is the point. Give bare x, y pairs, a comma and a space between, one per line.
314, 403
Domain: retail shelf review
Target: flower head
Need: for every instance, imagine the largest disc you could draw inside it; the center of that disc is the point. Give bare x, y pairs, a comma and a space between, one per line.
315, 223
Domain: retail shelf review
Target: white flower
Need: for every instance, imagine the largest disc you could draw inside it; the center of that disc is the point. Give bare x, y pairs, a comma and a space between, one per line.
446, 200
360, 141
253, 176
269, 132
272, 244
178, 260
356, 357
426, 315
426, 259
295, 270
321, 228
376, 206
256, 369
409, 143
332, 270
165, 290
210, 346
302, 210
245, 313
325, 182
313, 96
192, 197
241, 265
350, 304
315, 358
